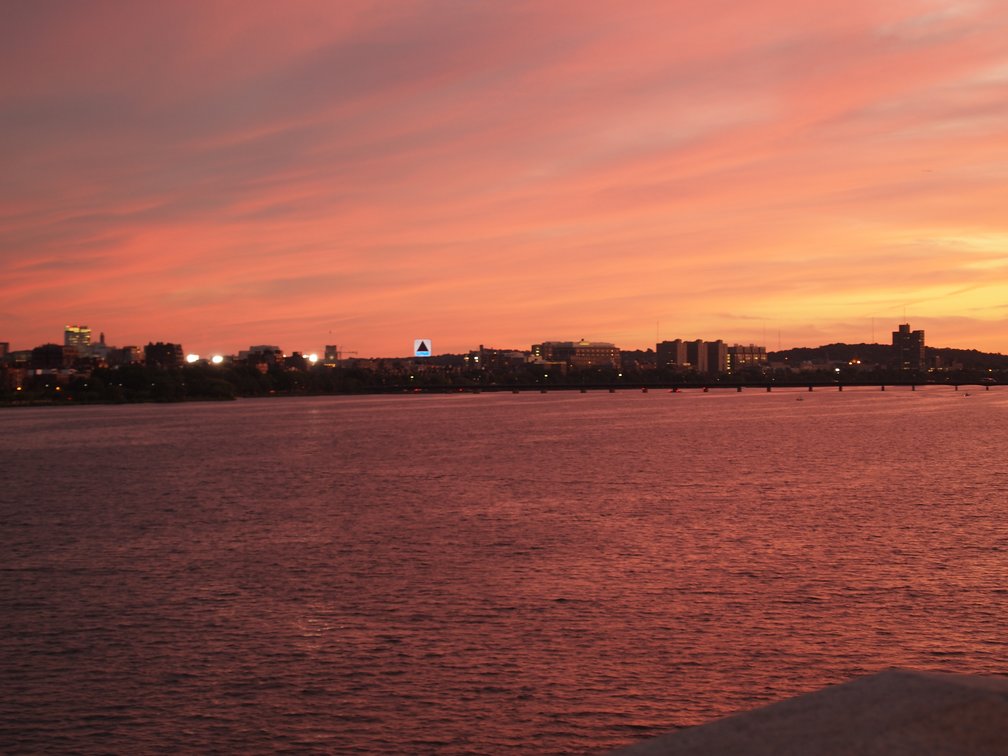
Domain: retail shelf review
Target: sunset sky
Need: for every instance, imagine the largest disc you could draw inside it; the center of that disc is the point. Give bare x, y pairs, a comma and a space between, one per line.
783, 172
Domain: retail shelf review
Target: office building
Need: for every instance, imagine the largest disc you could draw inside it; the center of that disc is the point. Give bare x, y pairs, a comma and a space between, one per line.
699, 355
163, 355
579, 354
696, 355
717, 356
741, 356
671, 354
908, 348
262, 354
486, 358
127, 355
52, 357
77, 337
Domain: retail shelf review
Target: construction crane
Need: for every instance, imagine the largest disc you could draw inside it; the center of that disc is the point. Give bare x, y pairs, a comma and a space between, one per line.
336, 354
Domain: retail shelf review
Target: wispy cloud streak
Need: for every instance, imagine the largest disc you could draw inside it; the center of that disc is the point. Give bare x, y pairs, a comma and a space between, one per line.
493, 172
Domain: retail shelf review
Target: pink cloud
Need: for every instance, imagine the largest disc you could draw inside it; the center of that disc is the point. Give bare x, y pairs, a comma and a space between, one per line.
220, 173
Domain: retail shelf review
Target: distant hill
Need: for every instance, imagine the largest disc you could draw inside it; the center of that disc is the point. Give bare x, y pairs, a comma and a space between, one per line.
882, 353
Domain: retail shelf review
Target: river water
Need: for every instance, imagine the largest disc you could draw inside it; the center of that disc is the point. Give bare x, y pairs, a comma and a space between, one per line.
493, 573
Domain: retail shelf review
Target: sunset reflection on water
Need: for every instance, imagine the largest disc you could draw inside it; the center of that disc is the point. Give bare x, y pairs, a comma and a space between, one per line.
484, 574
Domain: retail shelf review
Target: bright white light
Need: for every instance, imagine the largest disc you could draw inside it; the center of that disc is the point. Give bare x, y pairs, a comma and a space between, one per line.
191, 358
216, 359
313, 358
837, 369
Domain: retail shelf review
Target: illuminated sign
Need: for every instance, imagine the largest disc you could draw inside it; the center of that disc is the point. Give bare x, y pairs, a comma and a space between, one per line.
421, 348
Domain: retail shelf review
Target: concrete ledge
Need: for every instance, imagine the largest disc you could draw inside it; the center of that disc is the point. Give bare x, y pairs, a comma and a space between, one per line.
893, 713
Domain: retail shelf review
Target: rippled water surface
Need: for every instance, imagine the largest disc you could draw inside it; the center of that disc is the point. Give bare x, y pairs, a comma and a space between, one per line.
558, 573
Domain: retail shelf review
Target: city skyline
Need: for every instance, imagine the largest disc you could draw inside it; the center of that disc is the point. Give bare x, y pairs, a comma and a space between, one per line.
770, 173
81, 337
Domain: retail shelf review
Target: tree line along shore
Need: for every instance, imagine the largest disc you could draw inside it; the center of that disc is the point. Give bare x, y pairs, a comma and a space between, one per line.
202, 382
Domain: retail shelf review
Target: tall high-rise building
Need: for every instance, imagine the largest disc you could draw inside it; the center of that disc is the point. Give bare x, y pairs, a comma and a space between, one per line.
78, 337
671, 353
717, 357
696, 355
908, 348
702, 356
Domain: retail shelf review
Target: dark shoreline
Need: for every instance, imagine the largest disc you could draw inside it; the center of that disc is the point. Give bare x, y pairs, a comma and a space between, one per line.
405, 390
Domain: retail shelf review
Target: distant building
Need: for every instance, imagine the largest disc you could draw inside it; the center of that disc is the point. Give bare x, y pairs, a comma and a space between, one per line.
908, 348
52, 357
493, 359
702, 356
266, 354
696, 355
740, 356
671, 354
163, 355
717, 357
579, 354
78, 337
19, 358
12, 378
127, 355
101, 350
334, 355
296, 361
